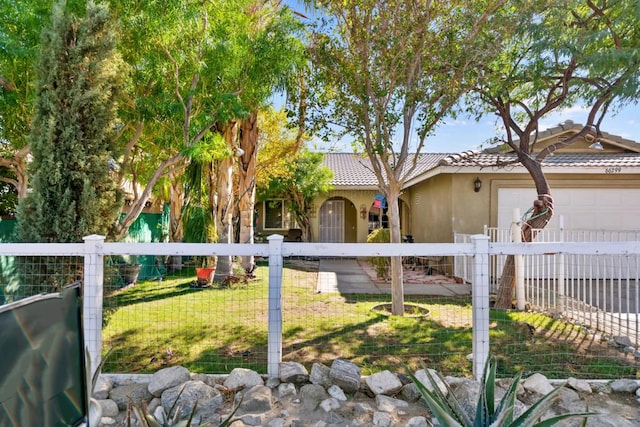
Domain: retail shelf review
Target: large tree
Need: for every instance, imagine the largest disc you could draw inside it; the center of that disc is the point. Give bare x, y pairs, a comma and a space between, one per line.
71, 137
20, 30
392, 69
273, 56
288, 170
562, 54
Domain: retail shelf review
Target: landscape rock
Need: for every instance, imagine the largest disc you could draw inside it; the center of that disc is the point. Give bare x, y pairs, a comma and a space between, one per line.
467, 393
384, 383
538, 383
389, 404
320, 375
600, 387
417, 422
102, 388
109, 408
624, 386
256, 400
185, 396
312, 394
410, 392
127, 394
293, 372
580, 386
382, 419
167, 378
337, 393
286, 389
252, 419
421, 375
272, 382
345, 375
241, 378
328, 405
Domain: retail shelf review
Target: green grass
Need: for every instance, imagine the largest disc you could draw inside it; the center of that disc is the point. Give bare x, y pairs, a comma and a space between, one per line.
156, 324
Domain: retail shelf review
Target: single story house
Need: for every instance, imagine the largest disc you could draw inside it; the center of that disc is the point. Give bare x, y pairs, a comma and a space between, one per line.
593, 189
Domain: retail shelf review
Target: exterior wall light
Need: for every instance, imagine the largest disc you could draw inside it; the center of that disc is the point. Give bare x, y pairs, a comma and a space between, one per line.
477, 185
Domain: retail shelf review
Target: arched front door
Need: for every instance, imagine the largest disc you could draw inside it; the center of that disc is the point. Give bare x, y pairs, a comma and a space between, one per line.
331, 224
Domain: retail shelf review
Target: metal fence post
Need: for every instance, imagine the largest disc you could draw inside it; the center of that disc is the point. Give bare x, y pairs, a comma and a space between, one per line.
480, 303
275, 306
92, 292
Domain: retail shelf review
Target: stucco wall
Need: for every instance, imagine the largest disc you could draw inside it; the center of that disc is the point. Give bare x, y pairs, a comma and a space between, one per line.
357, 227
431, 214
447, 203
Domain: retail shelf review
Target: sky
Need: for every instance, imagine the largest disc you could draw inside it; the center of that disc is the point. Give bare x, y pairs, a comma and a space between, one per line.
465, 133
455, 135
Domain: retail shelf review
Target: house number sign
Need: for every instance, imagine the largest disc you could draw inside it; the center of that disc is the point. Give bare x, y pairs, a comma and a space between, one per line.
613, 170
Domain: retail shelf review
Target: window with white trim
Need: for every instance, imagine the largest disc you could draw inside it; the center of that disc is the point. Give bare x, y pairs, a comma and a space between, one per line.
276, 215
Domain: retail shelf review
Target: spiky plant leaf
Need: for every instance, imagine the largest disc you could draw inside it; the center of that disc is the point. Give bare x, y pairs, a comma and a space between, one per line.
439, 407
450, 398
483, 412
531, 415
229, 419
554, 420
508, 401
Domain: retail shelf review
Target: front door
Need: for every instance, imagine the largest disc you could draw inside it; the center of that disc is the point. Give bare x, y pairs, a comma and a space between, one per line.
332, 222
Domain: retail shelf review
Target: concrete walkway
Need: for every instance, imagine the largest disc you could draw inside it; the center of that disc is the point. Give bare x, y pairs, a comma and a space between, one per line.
347, 277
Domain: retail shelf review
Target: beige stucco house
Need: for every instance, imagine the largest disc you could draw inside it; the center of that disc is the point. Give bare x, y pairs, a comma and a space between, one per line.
462, 192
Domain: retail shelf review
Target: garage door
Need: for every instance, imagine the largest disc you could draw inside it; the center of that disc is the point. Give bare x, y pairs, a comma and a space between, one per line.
582, 208
585, 209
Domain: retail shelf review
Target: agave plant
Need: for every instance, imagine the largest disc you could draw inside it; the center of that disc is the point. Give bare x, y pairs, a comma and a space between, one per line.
449, 412
145, 419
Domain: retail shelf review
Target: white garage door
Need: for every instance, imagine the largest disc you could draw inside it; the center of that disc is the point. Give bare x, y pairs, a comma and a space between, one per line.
582, 208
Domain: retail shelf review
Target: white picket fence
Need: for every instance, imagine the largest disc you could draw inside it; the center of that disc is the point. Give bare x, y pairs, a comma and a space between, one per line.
477, 254
595, 289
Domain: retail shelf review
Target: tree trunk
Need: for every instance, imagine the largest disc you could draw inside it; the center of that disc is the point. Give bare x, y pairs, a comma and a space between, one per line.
246, 185
397, 286
541, 215
224, 205
176, 228
17, 164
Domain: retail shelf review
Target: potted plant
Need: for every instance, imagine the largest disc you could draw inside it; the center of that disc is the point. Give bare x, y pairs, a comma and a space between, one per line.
206, 271
129, 271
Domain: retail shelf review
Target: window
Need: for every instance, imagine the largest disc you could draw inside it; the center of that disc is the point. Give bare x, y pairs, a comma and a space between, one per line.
275, 215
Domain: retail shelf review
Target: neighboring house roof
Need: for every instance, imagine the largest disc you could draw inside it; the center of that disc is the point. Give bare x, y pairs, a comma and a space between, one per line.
352, 170
571, 127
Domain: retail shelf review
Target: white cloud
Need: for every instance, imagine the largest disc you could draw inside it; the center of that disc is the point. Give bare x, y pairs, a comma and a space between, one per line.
455, 122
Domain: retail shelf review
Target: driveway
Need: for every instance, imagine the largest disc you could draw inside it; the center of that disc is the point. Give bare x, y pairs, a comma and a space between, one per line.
346, 276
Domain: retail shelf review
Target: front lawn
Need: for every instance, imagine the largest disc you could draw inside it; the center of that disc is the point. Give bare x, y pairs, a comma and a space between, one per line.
161, 323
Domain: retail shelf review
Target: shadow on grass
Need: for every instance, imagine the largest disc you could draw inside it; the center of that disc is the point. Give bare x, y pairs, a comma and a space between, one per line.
204, 348
321, 328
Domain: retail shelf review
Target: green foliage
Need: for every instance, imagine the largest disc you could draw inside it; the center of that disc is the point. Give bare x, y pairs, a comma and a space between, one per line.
8, 194
303, 178
71, 138
382, 264
449, 412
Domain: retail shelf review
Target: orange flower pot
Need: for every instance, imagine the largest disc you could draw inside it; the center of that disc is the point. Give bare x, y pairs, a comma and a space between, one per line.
205, 275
